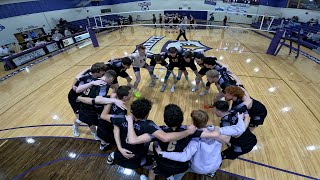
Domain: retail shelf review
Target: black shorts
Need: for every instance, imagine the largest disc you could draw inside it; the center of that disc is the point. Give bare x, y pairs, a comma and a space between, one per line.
235, 151
203, 71
121, 74
258, 113
105, 132
72, 98
168, 171
90, 117
154, 63
171, 66
136, 162
191, 66
192, 22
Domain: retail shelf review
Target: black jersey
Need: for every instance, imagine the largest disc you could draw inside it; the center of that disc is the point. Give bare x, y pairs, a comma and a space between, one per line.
153, 62
117, 66
105, 128
139, 150
247, 139
175, 146
93, 91
175, 20
225, 79
173, 61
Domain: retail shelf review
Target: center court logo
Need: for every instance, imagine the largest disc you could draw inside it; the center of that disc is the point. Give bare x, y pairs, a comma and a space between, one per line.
195, 46
2, 27
153, 40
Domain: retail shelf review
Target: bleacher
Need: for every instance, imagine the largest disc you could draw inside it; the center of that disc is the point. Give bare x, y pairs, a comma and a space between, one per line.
83, 23
296, 28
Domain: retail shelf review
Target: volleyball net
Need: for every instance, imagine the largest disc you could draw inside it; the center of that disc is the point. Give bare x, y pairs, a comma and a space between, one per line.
203, 19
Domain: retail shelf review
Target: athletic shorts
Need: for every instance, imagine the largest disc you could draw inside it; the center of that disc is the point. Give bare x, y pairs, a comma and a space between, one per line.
192, 67
105, 131
168, 171
89, 116
132, 163
235, 151
203, 71
171, 66
258, 113
72, 98
154, 63
137, 69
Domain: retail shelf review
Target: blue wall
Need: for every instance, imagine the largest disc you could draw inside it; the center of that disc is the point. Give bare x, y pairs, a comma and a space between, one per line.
18, 9
274, 3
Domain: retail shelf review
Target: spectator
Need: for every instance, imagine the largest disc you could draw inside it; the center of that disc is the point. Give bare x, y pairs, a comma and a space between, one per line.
15, 48
40, 42
211, 20
154, 20
225, 21
57, 38
130, 19
160, 19
30, 44
4, 51
67, 32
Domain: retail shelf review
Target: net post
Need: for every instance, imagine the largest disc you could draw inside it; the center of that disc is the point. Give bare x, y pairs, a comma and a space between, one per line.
270, 23
95, 21
93, 37
262, 22
100, 21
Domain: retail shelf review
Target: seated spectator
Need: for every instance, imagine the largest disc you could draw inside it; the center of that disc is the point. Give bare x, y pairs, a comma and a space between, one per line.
30, 44
57, 38
15, 48
40, 42
67, 32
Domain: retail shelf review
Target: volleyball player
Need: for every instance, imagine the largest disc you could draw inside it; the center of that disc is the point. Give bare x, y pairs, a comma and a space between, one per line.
120, 66
239, 96
175, 59
140, 110
154, 60
113, 105
238, 145
96, 71
139, 61
192, 22
173, 117
93, 87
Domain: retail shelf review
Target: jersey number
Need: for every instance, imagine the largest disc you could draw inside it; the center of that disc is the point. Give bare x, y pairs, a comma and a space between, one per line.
172, 146
86, 92
175, 60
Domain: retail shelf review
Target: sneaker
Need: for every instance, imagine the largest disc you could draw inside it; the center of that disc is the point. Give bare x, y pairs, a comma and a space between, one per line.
194, 89
211, 174
75, 130
152, 83
172, 89
155, 76
203, 93
143, 177
163, 87
110, 158
104, 147
95, 136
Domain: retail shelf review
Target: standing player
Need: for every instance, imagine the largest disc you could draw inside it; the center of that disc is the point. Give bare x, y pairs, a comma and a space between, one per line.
192, 22
113, 105
239, 145
97, 71
120, 67
186, 61
154, 20
89, 114
140, 110
139, 61
154, 60
175, 59
239, 96
160, 20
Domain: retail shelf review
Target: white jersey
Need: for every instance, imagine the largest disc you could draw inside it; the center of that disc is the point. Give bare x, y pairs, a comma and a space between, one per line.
137, 60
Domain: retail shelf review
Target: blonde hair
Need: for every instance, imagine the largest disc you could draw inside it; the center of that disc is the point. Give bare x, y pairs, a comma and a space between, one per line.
212, 74
200, 118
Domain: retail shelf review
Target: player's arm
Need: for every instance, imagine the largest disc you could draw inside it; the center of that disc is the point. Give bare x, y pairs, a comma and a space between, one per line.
126, 153
173, 136
104, 100
81, 74
82, 87
184, 156
105, 113
234, 130
222, 64
224, 139
236, 78
132, 137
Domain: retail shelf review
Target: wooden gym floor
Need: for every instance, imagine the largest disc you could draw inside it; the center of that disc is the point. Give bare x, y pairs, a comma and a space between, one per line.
34, 103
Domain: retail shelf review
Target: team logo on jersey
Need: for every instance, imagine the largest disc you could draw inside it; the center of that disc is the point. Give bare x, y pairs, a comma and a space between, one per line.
194, 46
2, 27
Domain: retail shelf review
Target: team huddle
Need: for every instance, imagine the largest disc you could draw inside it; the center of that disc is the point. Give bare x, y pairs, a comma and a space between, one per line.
176, 148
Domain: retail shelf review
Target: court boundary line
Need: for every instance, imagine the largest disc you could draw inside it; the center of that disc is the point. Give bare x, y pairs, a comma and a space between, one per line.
45, 164
50, 125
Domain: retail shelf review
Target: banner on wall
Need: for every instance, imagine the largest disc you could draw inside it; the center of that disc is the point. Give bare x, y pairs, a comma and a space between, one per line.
144, 5
29, 57
210, 2
240, 8
2, 27
68, 41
